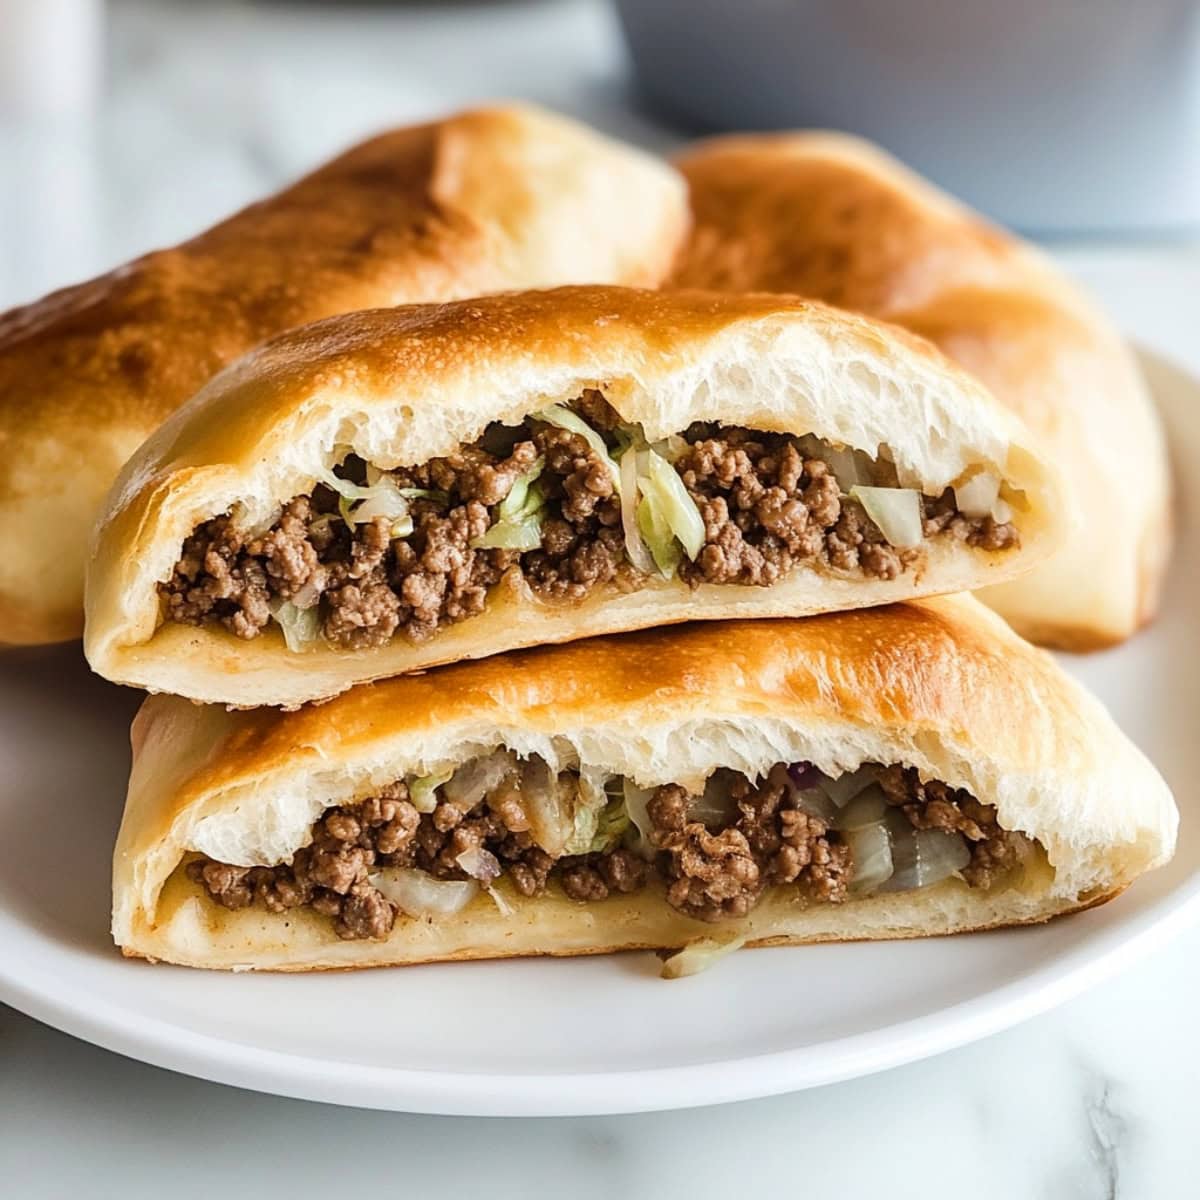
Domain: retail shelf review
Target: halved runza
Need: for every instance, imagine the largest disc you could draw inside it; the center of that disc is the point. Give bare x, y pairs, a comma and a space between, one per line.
391, 490
834, 218
891, 772
483, 201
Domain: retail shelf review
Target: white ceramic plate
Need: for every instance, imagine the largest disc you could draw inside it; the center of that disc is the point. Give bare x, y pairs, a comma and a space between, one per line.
569, 1036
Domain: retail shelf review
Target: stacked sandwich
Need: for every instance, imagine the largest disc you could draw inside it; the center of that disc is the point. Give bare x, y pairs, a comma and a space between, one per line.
590, 617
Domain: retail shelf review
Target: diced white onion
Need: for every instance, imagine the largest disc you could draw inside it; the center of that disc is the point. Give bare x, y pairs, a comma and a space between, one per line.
474, 780
635, 547
843, 788
867, 808
816, 803
300, 627
871, 854
699, 955
480, 864
564, 418
897, 512
923, 856
548, 805
715, 806
1002, 512
976, 497
850, 467
418, 894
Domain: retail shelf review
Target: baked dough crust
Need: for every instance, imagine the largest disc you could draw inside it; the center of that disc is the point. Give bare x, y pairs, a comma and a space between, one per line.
485, 200
832, 217
942, 685
401, 386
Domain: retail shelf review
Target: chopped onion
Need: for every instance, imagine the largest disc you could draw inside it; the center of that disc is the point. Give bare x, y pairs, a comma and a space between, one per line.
867, 808
806, 797
422, 790
474, 780
637, 801
699, 955
480, 864
976, 497
419, 894
715, 806
843, 788
564, 418
548, 806
300, 626
635, 547
871, 854
665, 491
897, 512
1002, 512
923, 856
850, 467
816, 803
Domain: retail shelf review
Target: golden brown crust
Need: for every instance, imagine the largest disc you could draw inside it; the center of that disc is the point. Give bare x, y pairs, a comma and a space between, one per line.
941, 684
834, 218
481, 201
401, 386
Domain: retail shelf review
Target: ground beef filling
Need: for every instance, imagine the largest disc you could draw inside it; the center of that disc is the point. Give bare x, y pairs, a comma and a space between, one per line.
766, 508
711, 871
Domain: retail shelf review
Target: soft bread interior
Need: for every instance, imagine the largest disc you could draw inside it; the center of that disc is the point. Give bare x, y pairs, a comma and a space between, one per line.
257, 437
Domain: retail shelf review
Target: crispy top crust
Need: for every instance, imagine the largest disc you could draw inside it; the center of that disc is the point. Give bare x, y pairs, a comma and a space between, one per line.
402, 386
832, 217
942, 685
479, 202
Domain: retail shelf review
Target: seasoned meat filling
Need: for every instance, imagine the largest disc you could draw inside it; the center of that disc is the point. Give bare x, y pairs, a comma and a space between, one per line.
358, 573
715, 854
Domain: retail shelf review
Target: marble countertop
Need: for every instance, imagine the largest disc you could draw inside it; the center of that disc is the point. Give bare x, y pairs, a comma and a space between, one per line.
208, 106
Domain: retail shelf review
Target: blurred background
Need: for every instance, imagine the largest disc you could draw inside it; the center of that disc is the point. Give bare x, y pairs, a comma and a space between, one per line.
127, 124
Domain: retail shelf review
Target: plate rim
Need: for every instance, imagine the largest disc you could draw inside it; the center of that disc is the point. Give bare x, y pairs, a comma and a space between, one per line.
177, 1047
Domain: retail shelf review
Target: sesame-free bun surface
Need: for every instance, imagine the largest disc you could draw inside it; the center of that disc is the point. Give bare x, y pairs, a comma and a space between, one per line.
834, 218
483, 201
942, 685
401, 386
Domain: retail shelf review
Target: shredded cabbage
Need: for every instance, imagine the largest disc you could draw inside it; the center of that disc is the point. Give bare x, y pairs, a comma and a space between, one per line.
300, 626
383, 498
897, 512
611, 826
699, 955
635, 546
564, 418
657, 535
421, 790
519, 515
673, 505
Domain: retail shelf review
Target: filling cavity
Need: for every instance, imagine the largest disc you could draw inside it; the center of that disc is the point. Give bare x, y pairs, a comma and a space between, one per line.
427, 846
569, 501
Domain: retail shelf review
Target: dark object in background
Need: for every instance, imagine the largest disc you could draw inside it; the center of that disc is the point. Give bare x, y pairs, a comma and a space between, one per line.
1050, 115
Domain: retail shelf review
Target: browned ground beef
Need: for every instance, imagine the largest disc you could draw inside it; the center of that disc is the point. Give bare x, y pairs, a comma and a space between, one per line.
722, 874
766, 509
710, 871
934, 805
